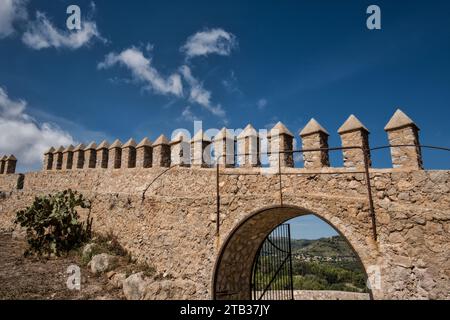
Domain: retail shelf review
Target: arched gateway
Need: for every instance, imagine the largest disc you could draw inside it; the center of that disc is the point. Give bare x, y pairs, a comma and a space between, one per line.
235, 262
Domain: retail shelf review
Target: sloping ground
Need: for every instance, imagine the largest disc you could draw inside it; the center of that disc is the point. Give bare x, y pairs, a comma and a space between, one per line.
45, 279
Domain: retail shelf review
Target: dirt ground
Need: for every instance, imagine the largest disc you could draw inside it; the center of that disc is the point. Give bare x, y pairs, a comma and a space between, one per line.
45, 279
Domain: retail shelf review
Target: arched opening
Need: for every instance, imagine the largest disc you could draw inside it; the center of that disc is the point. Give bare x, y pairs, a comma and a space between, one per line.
234, 267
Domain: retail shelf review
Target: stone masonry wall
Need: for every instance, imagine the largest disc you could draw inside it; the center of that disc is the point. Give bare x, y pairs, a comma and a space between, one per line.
9, 182
173, 226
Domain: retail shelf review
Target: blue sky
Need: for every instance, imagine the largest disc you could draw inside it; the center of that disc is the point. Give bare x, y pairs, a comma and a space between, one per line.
310, 227
138, 69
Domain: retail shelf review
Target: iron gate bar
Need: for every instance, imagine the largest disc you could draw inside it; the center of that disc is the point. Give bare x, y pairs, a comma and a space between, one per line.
290, 262
273, 244
268, 250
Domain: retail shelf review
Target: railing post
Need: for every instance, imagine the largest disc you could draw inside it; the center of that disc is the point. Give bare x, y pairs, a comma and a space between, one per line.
369, 192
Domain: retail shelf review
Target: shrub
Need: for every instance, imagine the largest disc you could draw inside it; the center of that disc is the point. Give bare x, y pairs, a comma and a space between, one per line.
104, 243
52, 223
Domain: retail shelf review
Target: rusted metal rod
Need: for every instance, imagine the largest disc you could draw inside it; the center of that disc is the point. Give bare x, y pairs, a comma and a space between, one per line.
217, 201
279, 175
369, 193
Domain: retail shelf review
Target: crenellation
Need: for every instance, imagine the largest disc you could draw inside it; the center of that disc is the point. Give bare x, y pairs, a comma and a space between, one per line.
48, 159
224, 148
354, 134
245, 149
115, 155
314, 136
129, 154
248, 145
78, 156
161, 152
280, 143
402, 130
144, 154
10, 165
200, 150
58, 158
102, 155
67, 158
2, 164
90, 154
180, 150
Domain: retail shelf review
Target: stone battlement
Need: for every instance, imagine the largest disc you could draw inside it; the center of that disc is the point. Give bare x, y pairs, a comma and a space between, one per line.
245, 149
203, 227
8, 164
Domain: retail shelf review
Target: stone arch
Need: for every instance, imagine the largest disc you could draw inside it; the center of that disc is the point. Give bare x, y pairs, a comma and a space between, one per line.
233, 267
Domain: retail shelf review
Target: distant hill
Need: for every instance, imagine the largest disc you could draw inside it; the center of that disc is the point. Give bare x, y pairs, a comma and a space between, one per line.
326, 264
333, 247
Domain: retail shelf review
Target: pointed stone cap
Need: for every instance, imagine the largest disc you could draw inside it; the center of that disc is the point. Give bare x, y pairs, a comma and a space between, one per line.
352, 124
79, 147
313, 127
130, 144
144, 143
3, 158
51, 150
224, 133
161, 140
116, 144
91, 146
399, 120
248, 131
103, 145
68, 149
200, 136
59, 150
11, 157
280, 129
180, 136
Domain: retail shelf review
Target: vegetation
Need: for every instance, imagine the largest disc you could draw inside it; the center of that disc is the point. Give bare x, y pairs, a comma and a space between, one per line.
326, 264
333, 247
326, 276
323, 264
109, 243
53, 225
104, 243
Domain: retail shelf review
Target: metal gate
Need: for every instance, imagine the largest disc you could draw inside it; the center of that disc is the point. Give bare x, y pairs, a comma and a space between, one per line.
272, 270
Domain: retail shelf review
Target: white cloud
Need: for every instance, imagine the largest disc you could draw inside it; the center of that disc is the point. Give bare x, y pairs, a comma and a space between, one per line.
10, 12
142, 70
188, 115
42, 34
213, 41
23, 136
261, 104
200, 95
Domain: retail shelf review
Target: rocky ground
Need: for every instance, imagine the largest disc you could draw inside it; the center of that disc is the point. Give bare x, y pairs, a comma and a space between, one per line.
107, 272
41, 278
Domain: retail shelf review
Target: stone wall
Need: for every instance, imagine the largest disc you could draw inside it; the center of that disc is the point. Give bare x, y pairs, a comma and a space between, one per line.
166, 214
9, 182
172, 224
